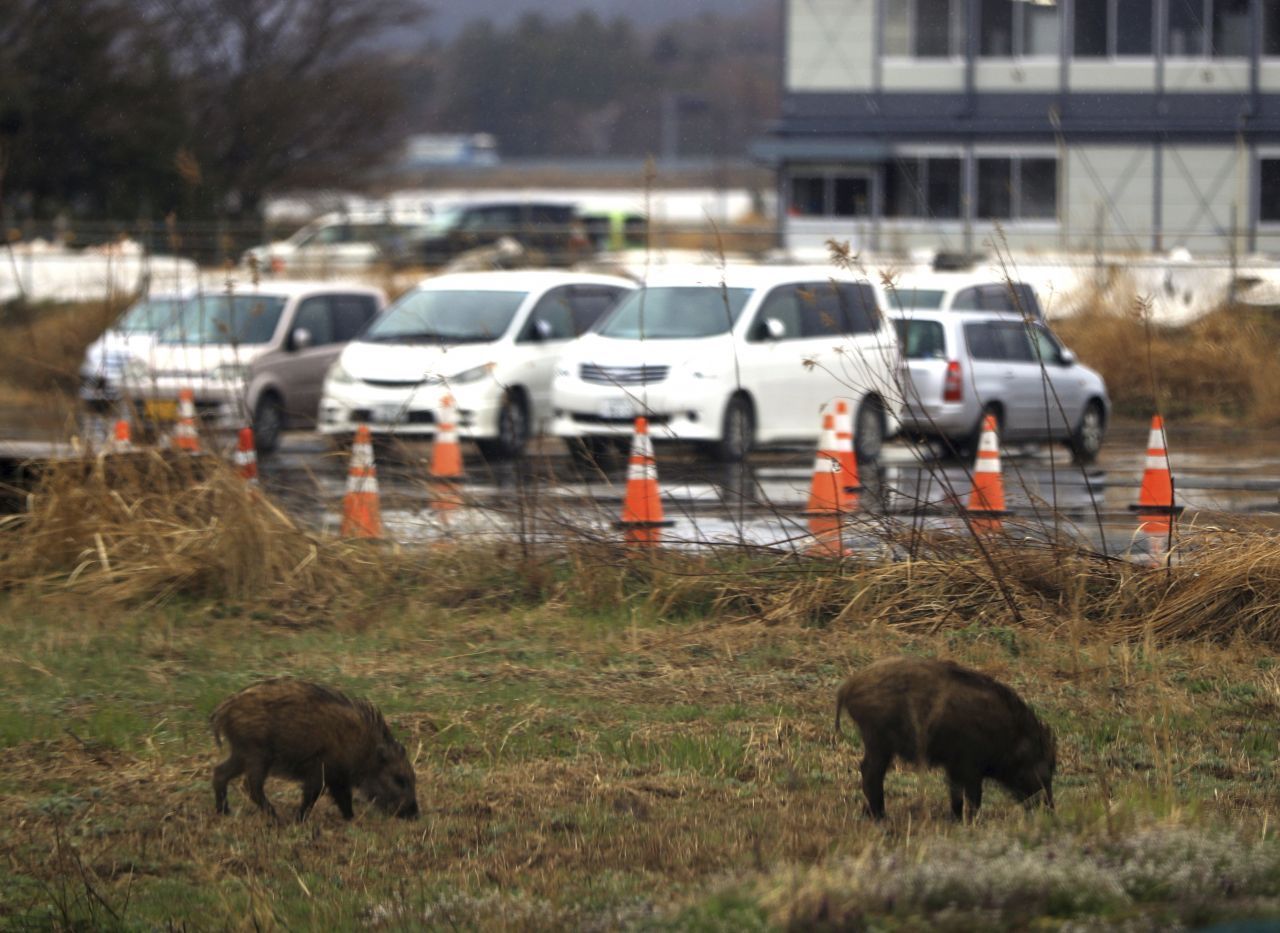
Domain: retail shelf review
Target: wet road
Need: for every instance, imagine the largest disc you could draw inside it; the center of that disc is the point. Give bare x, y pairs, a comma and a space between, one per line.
1220, 474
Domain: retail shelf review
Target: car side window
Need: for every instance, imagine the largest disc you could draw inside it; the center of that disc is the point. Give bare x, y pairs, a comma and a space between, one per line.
313, 314
1012, 339
588, 303
1047, 348
551, 318
861, 311
822, 312
981, 343
350, 314
783, 305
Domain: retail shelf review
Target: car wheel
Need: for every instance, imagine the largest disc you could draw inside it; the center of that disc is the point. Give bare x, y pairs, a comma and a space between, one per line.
268, 423
737, 430
1086, 442
513, 431
868, 431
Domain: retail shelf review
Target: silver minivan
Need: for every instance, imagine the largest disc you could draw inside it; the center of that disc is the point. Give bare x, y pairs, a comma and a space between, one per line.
255, 353
962, 365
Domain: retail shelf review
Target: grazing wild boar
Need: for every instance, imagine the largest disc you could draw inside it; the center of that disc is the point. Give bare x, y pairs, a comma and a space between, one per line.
939, 714
316, 735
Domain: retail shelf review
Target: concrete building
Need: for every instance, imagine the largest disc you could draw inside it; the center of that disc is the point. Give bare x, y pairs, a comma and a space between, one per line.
1116, 125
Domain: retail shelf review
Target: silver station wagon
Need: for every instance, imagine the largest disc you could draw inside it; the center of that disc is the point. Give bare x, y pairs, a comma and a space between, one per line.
962, 365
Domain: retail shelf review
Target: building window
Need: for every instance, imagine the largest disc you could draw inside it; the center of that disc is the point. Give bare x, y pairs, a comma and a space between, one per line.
923, 187
924, 28
1220, 28
832, 194
1271, 27
1113, 28
1017, 188
1269, 191
1019, 28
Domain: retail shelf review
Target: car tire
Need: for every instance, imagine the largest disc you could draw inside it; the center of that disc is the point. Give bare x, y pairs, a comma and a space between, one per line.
737, 431
868, 431
1086, 441
513, 431
268, 423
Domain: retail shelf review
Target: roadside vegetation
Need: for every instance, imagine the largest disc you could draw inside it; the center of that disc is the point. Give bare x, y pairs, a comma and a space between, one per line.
608, 741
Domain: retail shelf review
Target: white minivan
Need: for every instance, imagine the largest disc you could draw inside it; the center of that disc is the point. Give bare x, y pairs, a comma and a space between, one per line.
488, 339
733, 358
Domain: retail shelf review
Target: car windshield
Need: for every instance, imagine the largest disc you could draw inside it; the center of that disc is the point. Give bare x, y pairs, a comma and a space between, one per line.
229, 319
443, 221
149, 315
439, 315
918, 298
675, 312
921, 340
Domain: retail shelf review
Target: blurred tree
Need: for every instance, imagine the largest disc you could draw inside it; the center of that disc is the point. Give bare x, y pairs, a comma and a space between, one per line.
284, 93
89, 118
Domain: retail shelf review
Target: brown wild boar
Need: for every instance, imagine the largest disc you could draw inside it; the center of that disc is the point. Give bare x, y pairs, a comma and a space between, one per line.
939, 714
316, 735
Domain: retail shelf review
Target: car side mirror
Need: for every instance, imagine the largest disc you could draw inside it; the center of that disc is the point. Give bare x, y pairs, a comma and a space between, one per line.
1066, 357
542, 329
774, 329
300, 338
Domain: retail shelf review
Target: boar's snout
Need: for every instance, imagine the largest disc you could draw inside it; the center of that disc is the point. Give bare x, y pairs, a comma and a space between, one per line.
409, 811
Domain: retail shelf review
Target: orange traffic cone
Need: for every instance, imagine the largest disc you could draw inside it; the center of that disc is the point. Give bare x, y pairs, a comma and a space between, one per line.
1155, 508
828, 492
844, 450
184, 433
446, 459
361, 516
642, 508
246, 457
986, 501
121, 441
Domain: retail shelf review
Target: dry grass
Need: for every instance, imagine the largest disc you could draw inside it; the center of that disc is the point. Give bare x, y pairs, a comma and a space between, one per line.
44, 344
1222, 366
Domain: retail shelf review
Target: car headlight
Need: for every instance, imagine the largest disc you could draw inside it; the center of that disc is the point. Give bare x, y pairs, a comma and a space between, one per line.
338, 375
474, 374
230, 372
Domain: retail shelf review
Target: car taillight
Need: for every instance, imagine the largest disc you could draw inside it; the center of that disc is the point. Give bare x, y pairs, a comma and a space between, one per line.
952, 388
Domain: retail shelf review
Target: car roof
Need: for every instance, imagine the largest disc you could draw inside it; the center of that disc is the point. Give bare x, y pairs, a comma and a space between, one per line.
736, 276
289, 288
520, 280
944, 315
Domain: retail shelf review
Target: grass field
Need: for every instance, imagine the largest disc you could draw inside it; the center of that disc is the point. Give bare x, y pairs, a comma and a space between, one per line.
618, 768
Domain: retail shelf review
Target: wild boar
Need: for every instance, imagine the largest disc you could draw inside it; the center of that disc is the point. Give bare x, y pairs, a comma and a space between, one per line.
939, 714
314, 734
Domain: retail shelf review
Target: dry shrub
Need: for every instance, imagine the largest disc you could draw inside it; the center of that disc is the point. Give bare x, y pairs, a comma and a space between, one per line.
149, 526
1222, 365
44, 343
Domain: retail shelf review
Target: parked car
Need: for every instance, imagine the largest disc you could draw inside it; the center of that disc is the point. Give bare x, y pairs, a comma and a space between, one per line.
963, 291
733, 358
102, 371
963, 365
550, 229
338, 243
253, 352
489, 339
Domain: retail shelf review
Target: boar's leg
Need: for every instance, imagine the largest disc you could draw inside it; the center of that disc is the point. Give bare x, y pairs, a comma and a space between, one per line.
341, 794
312, 787
223, 774
875, 762
255, 780
966, 788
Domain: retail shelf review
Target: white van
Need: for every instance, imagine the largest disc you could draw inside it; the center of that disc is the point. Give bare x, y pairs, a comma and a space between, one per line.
733, 358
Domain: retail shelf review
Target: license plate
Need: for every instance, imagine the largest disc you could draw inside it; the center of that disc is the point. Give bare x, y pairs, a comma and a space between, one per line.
617, 408
388, 413
161, 409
